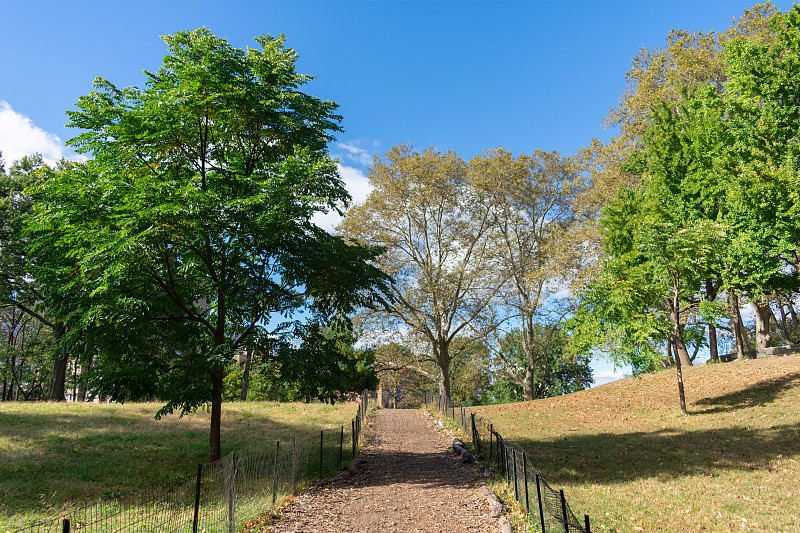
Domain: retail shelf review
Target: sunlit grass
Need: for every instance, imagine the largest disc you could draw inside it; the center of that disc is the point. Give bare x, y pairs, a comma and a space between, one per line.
58, 456
625, 455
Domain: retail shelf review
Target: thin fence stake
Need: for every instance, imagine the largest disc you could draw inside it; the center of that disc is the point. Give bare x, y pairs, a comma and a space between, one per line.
65, 526
490, 442
525, 474
541, 507
514, 460
353, 424
232, 495
505, 461
275, 482
564, 510
586, 523
197, 498
294, 466
341, 445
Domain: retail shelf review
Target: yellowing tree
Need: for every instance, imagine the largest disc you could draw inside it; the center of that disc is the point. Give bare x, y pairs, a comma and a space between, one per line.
435, 230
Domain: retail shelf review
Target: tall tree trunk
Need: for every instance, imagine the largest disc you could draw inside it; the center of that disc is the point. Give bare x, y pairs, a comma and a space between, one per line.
58, 381
443, 381
763, 313
441, 353
528, 384
681, 392
245, 377
681, 353
743, 348
711, 295
214, 444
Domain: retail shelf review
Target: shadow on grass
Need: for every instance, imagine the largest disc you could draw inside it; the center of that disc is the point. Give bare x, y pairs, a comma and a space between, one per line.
83, 457
609, 458
757, 394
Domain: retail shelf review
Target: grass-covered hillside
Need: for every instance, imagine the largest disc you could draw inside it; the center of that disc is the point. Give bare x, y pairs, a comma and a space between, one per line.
626, 455
55, 455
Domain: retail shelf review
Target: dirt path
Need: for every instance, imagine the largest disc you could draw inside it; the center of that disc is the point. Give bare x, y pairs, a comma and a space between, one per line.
410, 482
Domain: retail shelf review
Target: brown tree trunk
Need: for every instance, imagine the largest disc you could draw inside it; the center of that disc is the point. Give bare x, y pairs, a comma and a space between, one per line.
214, 444
527, 385
681, 392
711, 295
763, 313
245, 377
58, 381
743, 348
441, 352
443, 382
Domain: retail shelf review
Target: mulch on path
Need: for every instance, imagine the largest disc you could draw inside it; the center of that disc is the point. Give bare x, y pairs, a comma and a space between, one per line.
410, 482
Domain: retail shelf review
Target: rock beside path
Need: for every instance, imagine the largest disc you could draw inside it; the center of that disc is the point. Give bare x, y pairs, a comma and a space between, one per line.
409, 481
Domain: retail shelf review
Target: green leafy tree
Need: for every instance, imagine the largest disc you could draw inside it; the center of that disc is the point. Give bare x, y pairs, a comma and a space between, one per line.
661, 241
557, 371
191, 224
24, 270
763, 202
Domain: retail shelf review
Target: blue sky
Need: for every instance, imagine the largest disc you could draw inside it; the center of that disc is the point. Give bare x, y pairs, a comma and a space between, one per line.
457, 75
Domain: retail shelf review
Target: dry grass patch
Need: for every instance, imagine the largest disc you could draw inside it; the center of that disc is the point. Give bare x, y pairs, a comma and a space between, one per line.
625, 454
53, 456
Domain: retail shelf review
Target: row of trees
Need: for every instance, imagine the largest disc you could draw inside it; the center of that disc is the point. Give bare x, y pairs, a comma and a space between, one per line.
477, 252
709, 214
662, 233
186, 239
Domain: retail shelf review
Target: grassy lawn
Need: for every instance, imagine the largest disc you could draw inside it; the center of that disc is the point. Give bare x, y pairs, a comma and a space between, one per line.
56, 456
625, 455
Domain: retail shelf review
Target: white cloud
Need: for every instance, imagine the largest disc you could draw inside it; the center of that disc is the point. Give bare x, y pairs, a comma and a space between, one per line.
19, 137
356, 153
359, 188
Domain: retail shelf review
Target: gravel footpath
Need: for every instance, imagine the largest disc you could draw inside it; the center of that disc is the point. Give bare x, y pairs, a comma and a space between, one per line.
410, 482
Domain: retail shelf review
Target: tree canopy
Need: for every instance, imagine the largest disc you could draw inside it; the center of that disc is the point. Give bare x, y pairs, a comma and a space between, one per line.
190, 226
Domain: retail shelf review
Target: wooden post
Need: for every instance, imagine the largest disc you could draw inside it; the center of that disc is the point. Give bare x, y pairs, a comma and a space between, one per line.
353, 423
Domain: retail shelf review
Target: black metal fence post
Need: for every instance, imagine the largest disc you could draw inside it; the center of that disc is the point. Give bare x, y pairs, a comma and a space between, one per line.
525, 475
564, 510
514, 460
65, 526
197, 498
539, 494
490, 443
586, 523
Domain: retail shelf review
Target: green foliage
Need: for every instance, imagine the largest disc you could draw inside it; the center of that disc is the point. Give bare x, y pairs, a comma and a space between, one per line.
191, 224
557, 370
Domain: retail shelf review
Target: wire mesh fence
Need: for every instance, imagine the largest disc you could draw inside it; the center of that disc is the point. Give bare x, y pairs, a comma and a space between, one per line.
546, 507
226, 495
